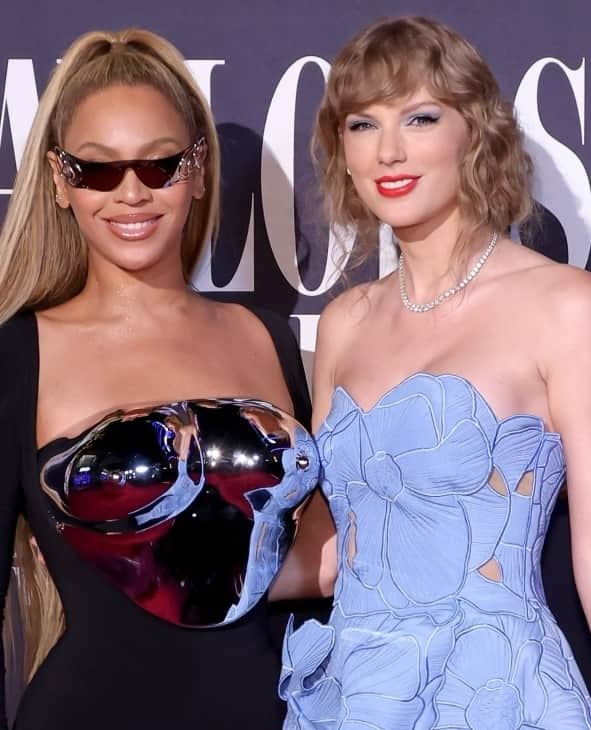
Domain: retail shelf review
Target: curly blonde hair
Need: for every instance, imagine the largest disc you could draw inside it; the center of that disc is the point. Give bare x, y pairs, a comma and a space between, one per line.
389, 61
43, 256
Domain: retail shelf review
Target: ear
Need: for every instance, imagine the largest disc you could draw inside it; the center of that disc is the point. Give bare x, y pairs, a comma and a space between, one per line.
198, 182
62, 197
199, 159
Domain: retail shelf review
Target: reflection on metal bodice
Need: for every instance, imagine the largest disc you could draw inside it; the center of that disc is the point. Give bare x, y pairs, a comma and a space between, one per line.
188, 508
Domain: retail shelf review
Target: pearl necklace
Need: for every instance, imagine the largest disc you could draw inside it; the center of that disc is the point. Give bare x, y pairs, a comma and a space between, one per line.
413, 307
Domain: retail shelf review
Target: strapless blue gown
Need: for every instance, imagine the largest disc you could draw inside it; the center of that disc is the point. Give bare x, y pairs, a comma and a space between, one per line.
439, 619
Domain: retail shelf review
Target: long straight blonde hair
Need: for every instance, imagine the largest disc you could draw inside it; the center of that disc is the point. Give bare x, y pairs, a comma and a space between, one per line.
43, 256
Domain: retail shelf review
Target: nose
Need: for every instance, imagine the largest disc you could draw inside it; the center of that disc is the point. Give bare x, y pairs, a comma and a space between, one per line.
391, 147
131, 190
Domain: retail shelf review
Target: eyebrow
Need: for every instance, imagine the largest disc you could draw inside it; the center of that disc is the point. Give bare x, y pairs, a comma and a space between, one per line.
404, 110
418, 104
105, 149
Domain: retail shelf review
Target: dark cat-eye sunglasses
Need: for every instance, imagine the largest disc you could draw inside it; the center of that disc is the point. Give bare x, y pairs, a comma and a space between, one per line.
157, 173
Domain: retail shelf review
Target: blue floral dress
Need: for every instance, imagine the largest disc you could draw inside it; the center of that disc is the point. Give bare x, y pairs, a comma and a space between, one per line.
439, 619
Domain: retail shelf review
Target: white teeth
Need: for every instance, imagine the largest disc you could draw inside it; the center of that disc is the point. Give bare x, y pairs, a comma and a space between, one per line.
133, 226
395, 184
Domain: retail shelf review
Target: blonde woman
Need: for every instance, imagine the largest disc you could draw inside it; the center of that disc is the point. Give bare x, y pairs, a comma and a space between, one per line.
142, 500
449, 398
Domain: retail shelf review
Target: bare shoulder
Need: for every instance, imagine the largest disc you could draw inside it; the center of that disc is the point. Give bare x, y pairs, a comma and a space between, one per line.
249, 342
350, 308
238, 321
71, 311
567, 290
561, 289
339, 323
555, 300
57, 328
539, 278
251, 334
565, 345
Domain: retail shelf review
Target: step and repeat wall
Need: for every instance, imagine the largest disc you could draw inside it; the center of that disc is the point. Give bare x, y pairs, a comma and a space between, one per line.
262, 65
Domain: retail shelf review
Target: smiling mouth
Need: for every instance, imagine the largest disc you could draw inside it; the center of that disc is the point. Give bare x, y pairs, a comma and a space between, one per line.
395, 187
133, 229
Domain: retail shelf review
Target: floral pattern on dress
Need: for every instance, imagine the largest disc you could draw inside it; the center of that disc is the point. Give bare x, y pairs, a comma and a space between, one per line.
382, 664
439, 617
511, 688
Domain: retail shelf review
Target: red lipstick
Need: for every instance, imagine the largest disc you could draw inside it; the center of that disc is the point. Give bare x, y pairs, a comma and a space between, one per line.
395, 186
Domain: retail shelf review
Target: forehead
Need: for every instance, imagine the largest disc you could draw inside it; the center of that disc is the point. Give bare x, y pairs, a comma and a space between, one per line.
382, 85
123, 117
419, 97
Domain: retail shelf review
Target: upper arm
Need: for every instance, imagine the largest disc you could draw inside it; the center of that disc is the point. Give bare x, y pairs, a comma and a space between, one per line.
323, 375
10, 507
568, 377
332, 332
14, 409
311, 564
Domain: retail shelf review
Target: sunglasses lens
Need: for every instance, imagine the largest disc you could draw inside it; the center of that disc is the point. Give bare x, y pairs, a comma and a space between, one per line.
99, 176
157, 173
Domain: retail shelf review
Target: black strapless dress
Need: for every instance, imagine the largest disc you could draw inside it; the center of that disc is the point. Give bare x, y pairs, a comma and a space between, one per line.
162, 530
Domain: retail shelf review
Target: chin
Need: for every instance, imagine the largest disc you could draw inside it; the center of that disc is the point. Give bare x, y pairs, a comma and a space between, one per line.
135, 264
134, 256
414, 219
137, 267
398, 213
404, 222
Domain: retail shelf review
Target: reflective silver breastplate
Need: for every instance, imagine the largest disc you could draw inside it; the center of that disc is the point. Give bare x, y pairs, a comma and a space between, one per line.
187, 508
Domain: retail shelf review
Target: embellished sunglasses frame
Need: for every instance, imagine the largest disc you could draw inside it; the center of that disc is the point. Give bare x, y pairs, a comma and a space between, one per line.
163, 172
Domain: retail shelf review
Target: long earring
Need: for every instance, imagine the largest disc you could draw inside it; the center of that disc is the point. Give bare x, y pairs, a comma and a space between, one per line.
59, 200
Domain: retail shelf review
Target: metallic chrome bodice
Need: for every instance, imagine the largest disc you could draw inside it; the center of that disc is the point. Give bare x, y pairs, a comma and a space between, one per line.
188, 508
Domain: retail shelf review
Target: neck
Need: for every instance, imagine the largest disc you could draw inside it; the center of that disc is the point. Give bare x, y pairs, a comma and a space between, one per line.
114, 293
430, 260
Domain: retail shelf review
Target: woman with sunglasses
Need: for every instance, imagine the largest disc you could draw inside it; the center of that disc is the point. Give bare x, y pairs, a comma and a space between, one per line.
159, 493
449, 398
